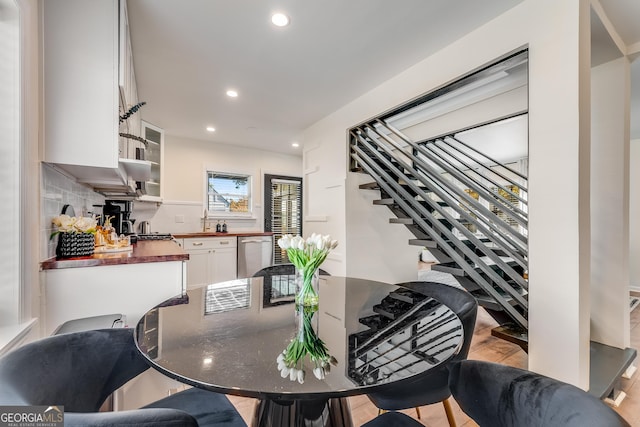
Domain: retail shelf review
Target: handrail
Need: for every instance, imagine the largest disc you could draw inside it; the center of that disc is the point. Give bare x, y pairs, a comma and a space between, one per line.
497, 236
489, 253
410, 172
494, 172
494, 161
405, 202
451, 169
493, 222
506, 205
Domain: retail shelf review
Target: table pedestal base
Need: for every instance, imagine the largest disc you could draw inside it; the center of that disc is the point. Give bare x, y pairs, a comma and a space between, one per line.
333, 412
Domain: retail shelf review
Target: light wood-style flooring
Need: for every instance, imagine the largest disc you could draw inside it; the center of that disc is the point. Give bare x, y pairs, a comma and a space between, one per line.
483, 347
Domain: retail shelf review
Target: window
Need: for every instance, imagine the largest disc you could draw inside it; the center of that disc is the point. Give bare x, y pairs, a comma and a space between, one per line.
10, 164
228, 194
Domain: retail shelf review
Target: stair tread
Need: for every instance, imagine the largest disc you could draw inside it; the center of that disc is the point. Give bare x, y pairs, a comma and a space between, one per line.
400, 221
387, 201
485, 259
428, 243
369, 186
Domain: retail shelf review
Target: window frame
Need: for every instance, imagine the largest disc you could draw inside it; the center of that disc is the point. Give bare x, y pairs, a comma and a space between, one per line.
211, 214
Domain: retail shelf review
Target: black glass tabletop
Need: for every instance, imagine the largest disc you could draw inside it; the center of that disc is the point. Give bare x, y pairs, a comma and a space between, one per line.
230, 337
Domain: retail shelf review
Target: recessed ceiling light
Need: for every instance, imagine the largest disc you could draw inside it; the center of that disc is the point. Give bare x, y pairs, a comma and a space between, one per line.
211, 129
280, 19
232, 93
295, 145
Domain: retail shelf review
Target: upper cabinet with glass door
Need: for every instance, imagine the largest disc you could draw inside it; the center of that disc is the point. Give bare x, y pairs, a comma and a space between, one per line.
151, 190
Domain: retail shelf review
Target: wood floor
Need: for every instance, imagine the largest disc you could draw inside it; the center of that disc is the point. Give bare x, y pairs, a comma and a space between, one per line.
483, 347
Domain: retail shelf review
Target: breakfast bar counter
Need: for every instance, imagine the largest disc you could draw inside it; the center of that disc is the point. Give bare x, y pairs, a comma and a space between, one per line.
144, 251
120, 282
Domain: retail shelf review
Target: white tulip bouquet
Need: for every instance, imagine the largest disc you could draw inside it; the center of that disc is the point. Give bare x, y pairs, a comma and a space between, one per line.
307, 256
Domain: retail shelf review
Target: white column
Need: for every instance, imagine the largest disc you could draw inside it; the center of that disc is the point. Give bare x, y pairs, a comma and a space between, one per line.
634, 214
610, 92
559, 215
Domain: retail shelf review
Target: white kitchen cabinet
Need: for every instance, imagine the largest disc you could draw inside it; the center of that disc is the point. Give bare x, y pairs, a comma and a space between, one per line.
126, 71
81, 92
211, 259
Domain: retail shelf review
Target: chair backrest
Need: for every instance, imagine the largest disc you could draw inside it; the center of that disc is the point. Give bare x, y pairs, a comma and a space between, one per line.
78, 370
457, 299
282, 269
432, 386
502, 396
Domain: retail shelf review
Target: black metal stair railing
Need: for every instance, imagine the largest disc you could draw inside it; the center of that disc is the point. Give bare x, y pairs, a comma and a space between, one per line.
467, 208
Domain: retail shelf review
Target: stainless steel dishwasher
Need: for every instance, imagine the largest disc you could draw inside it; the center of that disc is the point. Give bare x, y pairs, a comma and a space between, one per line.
254, 253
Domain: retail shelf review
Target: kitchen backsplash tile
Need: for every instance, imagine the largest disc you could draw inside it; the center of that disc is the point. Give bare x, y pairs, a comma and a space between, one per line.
58, 190
185, 217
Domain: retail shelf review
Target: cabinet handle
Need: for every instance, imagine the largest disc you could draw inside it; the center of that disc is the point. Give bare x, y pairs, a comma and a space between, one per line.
197, 244
225, 242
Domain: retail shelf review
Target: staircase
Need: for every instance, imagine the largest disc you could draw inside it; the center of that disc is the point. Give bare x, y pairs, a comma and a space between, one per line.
467, 208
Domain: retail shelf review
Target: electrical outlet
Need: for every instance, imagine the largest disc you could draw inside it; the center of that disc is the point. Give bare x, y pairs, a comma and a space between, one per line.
179, 219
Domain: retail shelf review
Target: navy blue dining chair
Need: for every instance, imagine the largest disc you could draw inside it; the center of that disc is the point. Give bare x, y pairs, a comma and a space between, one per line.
432, 386
495, 395
80, 370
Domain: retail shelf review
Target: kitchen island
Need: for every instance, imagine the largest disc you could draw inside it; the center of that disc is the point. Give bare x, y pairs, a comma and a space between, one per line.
121, 282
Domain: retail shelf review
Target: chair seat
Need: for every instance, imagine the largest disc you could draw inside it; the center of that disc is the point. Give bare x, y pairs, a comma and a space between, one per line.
208, 408
393, 419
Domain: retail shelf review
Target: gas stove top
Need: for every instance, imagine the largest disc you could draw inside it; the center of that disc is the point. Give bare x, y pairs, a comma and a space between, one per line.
154, 236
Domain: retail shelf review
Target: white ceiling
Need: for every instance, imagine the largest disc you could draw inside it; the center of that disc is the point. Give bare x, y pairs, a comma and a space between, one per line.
187, 53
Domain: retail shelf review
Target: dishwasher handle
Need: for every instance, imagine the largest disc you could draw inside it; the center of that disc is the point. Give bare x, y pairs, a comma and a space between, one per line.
255, 241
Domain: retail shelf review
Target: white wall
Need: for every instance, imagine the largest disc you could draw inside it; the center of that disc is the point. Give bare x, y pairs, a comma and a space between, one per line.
634, 214
184, 176
610, 91
557, 34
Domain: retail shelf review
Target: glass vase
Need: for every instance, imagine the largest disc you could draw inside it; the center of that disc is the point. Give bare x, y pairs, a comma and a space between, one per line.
307, 287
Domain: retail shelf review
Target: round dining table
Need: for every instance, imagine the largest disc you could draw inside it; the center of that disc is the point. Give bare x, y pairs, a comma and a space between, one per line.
227, 337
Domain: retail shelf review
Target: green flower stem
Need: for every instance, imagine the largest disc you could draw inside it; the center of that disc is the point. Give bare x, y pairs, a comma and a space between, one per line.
307, 261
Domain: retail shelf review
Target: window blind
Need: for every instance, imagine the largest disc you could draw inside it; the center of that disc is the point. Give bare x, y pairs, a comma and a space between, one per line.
286, 212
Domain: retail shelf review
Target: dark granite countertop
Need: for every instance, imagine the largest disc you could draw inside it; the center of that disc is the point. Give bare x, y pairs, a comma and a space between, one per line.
143, 252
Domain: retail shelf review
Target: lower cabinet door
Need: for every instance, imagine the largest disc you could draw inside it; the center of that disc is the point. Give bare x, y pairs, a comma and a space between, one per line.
198, 267
224, 263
